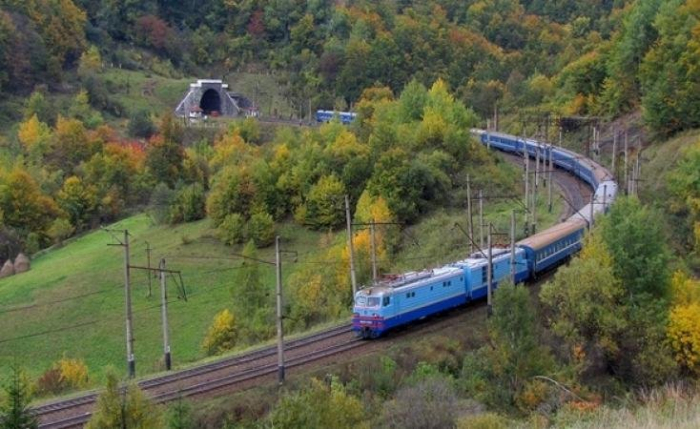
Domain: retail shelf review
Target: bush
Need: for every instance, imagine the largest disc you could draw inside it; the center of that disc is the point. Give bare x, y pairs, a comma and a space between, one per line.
483, 421
63, 375
141, 125
431, 403
188, 205
222, 334
159, 204
232, 229
262, 229
60, 230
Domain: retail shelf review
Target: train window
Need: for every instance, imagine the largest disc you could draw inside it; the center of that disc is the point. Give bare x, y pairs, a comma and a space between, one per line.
408, 295
449, 283
484, 275
386, 300
372, 302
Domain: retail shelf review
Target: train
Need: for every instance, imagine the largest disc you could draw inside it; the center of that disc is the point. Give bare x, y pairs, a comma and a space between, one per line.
401, 299
327, 115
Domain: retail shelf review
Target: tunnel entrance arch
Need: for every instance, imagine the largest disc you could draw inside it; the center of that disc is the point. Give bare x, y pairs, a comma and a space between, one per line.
210, 102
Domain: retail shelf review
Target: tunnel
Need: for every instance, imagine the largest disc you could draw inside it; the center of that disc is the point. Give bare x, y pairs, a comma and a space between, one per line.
210, 102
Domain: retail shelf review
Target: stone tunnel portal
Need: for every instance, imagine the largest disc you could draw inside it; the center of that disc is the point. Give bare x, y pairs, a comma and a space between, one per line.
210, 102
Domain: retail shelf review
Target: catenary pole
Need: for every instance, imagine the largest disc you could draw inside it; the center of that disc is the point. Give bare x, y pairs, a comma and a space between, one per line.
512, 246
481, 218
470, 220
149, 273
374, 251
131, 360
280, 334
489, 276
164, 314
348, 220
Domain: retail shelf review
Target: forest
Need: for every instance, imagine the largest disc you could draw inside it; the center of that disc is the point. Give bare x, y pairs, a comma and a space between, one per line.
79, 150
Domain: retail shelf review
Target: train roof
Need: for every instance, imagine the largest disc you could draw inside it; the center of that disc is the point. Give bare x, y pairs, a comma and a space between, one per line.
411, 279
550, 235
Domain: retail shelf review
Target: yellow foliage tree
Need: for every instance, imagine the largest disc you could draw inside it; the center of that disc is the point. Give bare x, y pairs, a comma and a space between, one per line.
684, 335
90, 61
684, 321
222, 334
34, 135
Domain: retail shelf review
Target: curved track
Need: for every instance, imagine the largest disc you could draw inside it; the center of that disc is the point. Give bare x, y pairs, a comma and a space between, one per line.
245, 370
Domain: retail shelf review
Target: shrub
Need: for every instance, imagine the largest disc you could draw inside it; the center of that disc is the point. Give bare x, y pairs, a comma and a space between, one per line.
222, 334
159, 204
74, 372
232, 229
141, 125
430, 403
262, 229
684, 334
60, 230
483, 421
50, 382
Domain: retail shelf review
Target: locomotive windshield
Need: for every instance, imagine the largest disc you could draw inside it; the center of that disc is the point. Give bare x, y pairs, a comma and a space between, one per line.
371, 301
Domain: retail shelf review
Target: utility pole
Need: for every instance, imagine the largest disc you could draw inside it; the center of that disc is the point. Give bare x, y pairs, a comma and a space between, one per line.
627, 183
639, 173
512, 246
550, 184
614, 152
489, 276
374, 251
280, 335
534, 194
605, 196
164, 314
470, 220
527, 186
131, 361
348, 220
590, 224
481, 218
148, 273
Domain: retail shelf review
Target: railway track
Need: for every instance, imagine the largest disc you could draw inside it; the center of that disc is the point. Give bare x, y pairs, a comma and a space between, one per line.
236, 371
225, 373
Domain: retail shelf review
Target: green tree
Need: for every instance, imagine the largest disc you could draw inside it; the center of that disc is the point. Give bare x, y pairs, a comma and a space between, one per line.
585, 306
124, 406
500, 372
140, 124
632, 233
250, 295
188, 204
15, 412
318, 406
180, 415
322, 208
261, 229
232, 230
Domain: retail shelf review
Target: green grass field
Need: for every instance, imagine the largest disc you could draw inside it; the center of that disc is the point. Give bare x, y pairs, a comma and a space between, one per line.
72, 301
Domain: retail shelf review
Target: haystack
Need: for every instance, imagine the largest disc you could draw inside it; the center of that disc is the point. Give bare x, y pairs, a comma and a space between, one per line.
22, 264
7, 270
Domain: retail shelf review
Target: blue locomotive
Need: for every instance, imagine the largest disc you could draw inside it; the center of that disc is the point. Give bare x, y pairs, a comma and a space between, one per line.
328, 115
411, 296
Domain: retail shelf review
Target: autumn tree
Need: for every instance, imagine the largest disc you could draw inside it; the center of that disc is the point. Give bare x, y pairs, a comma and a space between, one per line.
222, 334
78, 200
318, 406
35, 137
164, 160
684, 322
123, 406
24, 206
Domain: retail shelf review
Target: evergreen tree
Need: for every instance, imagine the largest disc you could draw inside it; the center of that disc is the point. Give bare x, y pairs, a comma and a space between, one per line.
15, 413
